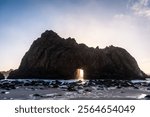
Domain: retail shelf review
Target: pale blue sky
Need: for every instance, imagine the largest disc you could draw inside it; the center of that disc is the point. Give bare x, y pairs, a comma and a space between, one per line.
124, 23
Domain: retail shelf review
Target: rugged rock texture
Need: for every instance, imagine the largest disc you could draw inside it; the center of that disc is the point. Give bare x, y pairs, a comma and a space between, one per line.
6, 73
51, 56
1, 76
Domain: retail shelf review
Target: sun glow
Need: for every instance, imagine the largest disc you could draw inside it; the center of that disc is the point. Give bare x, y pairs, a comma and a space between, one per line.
80, 74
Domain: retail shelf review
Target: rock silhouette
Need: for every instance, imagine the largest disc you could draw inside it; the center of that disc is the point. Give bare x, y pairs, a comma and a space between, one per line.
1, 76
53, 57
6, 73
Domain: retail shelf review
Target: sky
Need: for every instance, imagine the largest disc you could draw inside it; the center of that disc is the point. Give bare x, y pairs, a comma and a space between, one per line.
123, 23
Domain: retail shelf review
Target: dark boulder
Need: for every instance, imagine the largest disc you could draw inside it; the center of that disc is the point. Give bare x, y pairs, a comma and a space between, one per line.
71, 88
7, 86
147, 97
1, 76
53, 57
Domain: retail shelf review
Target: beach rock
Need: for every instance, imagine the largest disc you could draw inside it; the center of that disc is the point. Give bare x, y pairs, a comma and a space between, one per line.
53, 57
147, 97
148, 88
148, 84
7, 86
80, 87
17, 83
71, 88
57, 82
136, 87
88, 90
37, 83
64, 87
100, 88
37, 95
27, 84
1, 76
5, 92
55, 86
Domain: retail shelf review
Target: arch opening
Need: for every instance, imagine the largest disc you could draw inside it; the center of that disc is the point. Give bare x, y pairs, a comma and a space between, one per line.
80, 74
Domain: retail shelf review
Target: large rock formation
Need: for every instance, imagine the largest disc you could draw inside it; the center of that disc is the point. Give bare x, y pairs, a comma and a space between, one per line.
51, 56
1, 76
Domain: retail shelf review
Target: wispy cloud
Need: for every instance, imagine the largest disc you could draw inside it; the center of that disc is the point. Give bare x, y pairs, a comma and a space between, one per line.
93, 22
140, 7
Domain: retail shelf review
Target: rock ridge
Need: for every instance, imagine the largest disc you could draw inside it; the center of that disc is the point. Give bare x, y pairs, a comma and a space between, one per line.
53, 57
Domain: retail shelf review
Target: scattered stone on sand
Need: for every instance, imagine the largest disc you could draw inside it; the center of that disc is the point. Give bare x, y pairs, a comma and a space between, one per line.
37, 95
5, 92
147, 97
148, 88
36, 88
88, 90
71, 88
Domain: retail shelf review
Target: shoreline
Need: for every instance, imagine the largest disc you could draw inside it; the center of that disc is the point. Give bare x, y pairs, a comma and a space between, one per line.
29, 89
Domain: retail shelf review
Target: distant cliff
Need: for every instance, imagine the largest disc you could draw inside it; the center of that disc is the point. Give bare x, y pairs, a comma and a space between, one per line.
1, 76
6, 73
51, 56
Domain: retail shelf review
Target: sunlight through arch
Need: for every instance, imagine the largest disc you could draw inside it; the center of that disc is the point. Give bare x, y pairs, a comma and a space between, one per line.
80, 74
